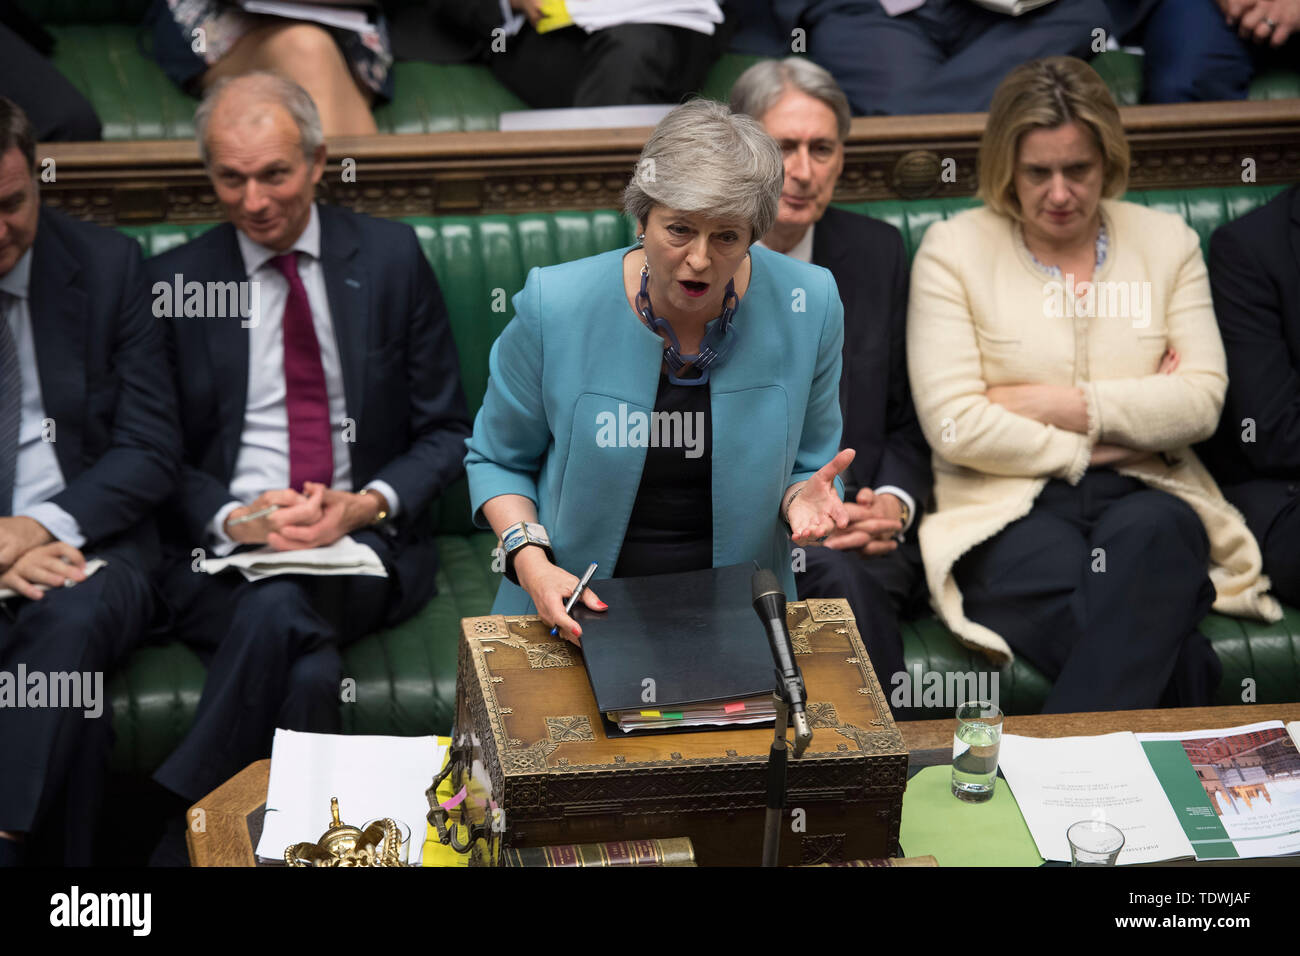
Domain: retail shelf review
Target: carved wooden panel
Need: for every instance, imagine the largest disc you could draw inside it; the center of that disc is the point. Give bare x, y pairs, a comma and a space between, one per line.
1186, 145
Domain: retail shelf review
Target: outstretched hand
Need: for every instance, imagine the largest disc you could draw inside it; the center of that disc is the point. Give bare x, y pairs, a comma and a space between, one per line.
816, 509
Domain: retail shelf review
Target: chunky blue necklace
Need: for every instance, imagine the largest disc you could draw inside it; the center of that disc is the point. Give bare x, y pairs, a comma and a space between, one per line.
717, 343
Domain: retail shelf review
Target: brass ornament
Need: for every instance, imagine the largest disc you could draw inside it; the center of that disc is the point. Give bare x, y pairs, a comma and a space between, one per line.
344, 845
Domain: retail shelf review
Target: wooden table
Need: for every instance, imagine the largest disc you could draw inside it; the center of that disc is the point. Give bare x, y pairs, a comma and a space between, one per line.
232, 813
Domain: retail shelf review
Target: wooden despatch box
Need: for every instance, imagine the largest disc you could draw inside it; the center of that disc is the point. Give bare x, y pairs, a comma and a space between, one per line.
527, 722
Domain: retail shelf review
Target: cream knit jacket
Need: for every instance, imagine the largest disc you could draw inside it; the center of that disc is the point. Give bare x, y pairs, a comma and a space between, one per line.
982, 313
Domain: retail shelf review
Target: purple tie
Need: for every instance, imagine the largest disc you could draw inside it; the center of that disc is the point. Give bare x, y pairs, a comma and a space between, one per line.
311, 452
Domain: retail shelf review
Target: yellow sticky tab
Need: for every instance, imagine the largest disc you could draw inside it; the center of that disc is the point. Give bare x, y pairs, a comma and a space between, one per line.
651, 713
555, 15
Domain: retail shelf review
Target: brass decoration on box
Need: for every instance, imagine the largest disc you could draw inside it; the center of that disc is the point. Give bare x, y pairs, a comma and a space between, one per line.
344, 845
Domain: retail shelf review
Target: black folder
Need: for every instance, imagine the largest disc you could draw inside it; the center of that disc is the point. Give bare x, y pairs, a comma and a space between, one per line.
695, 634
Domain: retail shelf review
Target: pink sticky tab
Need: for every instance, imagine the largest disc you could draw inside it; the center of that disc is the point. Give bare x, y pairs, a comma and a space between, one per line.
733, 708
452, 803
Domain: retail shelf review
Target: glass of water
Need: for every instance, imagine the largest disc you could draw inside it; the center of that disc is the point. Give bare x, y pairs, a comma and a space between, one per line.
975, 745
1094, 843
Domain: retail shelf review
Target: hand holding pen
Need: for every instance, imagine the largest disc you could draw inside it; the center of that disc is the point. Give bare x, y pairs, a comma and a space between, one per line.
551, 587
577, 593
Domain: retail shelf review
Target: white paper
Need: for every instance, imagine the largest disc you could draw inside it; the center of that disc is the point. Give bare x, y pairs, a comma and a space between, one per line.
1012, 8
584, 117
1060, 781
93, 565
344, 556
373, 777
700, 16
354, 20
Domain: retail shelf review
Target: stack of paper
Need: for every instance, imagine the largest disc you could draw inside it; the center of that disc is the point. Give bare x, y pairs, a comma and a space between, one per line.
324, 13
752, 710
1226, 793
344, 556
373, 778
702, 16
1012, 8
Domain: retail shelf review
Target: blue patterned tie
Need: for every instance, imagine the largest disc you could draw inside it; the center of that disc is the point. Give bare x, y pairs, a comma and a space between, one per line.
11, 406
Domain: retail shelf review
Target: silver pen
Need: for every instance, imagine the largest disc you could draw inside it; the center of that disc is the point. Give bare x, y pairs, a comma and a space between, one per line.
260, 513
577, 593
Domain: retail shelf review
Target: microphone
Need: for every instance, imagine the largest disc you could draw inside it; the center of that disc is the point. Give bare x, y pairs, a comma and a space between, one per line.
769, 604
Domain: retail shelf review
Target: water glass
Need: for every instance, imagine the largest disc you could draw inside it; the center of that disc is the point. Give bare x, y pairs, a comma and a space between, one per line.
1094, 843
975, 744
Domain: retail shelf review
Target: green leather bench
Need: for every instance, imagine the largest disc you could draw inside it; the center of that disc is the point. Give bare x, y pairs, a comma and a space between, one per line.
98, 49
405, 677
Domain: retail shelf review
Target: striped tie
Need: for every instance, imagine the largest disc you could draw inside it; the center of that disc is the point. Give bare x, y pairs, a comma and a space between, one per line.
11, 407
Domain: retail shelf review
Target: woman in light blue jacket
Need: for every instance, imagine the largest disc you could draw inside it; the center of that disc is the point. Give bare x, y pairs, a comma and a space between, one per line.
669, 407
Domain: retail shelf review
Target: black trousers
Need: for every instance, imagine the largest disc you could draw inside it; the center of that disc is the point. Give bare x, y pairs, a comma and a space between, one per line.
1101, 587
55, 758
56, 108
624, 65
878, 590
948, 56
1281, 547
272, 649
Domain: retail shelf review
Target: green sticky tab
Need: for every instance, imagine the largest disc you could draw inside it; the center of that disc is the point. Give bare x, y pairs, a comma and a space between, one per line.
669, 716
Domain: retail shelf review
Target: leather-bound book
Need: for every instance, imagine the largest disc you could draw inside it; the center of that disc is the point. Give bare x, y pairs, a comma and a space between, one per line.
673, 851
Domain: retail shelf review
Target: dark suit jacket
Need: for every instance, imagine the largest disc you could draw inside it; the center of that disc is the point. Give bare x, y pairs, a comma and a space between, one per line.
870, 266
102, 362
401, 379
1255, 278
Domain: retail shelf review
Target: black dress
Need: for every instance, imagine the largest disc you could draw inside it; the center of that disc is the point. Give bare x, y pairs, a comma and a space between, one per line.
671, 527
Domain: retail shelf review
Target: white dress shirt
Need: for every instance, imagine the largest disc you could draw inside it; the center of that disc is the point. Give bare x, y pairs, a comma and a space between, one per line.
37, 477
263, 460
803, 252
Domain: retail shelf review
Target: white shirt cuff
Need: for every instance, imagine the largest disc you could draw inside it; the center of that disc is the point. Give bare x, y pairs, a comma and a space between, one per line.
385, 489
905, 498
513, 21
220, 542
56, 521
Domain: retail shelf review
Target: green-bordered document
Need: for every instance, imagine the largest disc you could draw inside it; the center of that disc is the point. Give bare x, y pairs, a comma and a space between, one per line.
1235, 791
1214, 794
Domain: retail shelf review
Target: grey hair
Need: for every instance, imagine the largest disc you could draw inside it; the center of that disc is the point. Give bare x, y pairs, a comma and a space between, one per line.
758, 88
702, 158
267, 88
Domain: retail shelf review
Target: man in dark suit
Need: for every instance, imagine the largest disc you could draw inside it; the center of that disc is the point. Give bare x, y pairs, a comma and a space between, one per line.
934, 56
88, 449
875, 562
337, 403
1255, 454
629, 63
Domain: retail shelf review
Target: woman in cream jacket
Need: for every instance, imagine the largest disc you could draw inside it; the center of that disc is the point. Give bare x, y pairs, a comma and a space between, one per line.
1064, 357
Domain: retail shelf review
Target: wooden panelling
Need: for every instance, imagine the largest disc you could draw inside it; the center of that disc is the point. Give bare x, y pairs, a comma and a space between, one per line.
895, 157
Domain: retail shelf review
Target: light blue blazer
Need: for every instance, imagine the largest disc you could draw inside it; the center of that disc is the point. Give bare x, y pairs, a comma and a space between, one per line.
575, 351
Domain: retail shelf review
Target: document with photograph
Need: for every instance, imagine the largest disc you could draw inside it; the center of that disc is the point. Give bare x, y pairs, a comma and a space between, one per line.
1236, 791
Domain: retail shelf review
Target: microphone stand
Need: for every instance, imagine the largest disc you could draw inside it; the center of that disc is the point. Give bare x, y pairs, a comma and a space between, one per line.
776, 758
